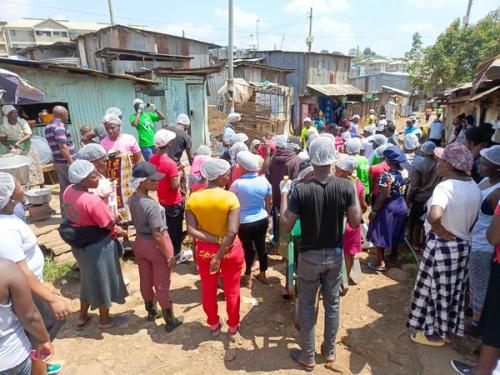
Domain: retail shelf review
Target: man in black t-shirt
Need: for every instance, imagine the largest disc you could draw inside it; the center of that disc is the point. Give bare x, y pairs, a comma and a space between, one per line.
321, 204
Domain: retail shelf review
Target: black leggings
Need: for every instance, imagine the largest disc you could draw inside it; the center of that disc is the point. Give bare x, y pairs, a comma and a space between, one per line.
174, 216
254, 234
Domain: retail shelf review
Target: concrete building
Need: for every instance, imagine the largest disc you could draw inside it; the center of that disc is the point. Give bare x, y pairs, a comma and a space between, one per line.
371, 83
26, 32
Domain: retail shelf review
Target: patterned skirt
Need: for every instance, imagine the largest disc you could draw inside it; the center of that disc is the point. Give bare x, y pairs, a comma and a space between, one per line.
438, 300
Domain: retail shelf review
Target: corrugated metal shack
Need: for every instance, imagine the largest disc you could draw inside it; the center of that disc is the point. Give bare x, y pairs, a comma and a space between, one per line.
310, 68
86, 93
132, 39
374, 82
182, 91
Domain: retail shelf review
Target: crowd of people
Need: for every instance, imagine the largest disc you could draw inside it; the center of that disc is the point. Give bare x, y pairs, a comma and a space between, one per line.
344, 188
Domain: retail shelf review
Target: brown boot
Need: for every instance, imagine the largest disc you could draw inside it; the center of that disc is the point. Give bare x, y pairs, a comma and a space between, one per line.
171, 322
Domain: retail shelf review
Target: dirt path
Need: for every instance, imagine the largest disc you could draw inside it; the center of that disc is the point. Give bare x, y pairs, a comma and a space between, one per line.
372, 338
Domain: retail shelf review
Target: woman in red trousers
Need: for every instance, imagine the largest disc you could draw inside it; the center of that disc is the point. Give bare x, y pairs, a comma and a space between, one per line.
213, 218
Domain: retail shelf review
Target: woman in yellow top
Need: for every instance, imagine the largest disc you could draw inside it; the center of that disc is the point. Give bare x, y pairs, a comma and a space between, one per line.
213, 218
15, 133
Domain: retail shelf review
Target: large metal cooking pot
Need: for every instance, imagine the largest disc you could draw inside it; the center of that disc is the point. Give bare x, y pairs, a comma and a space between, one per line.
16, 165
38, 196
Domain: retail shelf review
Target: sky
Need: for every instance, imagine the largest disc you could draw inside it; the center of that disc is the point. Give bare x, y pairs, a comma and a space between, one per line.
386, 26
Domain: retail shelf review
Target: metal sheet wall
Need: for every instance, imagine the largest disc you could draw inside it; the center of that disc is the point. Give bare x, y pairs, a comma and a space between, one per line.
88, 97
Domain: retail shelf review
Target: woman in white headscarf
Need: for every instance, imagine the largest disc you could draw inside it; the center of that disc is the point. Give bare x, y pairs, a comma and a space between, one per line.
16, 134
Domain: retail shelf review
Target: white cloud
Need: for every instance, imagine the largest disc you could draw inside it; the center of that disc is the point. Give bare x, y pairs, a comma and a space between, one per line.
12, 12
319, 6
242, 19
204, 32
435, 4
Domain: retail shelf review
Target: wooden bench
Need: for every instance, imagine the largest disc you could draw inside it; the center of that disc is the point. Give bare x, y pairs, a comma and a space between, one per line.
49, 174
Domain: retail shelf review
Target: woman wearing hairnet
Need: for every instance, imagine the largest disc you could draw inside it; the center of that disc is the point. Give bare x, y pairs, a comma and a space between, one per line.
101, 280
213, 218
255, 195
123, 152
16, 133
19, 245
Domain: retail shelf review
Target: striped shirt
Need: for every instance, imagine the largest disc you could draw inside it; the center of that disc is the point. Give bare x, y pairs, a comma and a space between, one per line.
55, 133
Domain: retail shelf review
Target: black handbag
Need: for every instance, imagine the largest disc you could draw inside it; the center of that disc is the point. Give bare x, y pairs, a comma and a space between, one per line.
81, 237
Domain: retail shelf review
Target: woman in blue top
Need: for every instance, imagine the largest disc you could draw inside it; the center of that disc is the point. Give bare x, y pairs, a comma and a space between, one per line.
255, 196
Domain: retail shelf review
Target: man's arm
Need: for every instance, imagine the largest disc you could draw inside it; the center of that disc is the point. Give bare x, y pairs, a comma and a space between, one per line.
287, 218
353, 213
415, 183
136, 118
65, 152
190, 155
161, 116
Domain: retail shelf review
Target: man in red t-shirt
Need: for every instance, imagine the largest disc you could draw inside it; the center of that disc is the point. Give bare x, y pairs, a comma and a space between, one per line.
374, 172
169, 192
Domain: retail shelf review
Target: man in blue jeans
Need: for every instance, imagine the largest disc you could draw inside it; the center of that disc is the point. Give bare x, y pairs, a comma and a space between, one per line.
321, 205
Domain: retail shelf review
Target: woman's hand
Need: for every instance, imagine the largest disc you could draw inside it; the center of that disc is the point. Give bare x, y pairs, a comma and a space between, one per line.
60, 308
442, 232
119, 231
215, 265
171, 262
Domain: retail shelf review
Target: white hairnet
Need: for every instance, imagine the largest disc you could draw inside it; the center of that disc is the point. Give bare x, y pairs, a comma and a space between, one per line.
163, 137
91, 152
381, 125
228, 134
353, 146
238, 137
492, 154
356, 117
183, 119
7, 187
379, 152
279, 140
370, 129
346, 164
233, 117
379, 139
428, 147
321, 151
211, 169
327, 135
307, 119
311, 138
248, 161
411, 142
80, 170
255, 144
111, 119
372, 111
204, 150
345, 135
136, 181
113, 111
137, 101
6, 109
236, 149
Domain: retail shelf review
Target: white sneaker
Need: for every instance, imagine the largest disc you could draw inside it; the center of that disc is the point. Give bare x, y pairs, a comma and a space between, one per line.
126, 281
184, 256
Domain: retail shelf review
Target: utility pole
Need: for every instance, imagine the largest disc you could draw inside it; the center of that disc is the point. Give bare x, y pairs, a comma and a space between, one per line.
309, 39
467, 15
230, 81
111, 16
257, 35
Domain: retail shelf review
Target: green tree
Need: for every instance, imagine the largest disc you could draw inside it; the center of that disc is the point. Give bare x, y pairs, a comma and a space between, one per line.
453, 59
414, 59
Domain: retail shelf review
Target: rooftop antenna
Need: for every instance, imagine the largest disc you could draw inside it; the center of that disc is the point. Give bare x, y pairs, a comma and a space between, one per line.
111, 16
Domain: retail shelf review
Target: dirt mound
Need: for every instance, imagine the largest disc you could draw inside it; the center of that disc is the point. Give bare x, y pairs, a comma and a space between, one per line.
216, 120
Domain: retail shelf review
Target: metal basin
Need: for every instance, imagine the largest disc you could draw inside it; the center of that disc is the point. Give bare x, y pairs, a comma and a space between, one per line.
38, 196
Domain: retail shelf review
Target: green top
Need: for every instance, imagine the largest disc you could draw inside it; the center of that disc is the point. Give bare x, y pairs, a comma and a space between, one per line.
376, 160
362, 166
146, 128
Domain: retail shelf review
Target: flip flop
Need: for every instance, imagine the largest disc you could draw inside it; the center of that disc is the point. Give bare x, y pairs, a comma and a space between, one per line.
461, 368
117, 321
295, 355
53, 368
421, 339
375, 268
80, 326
